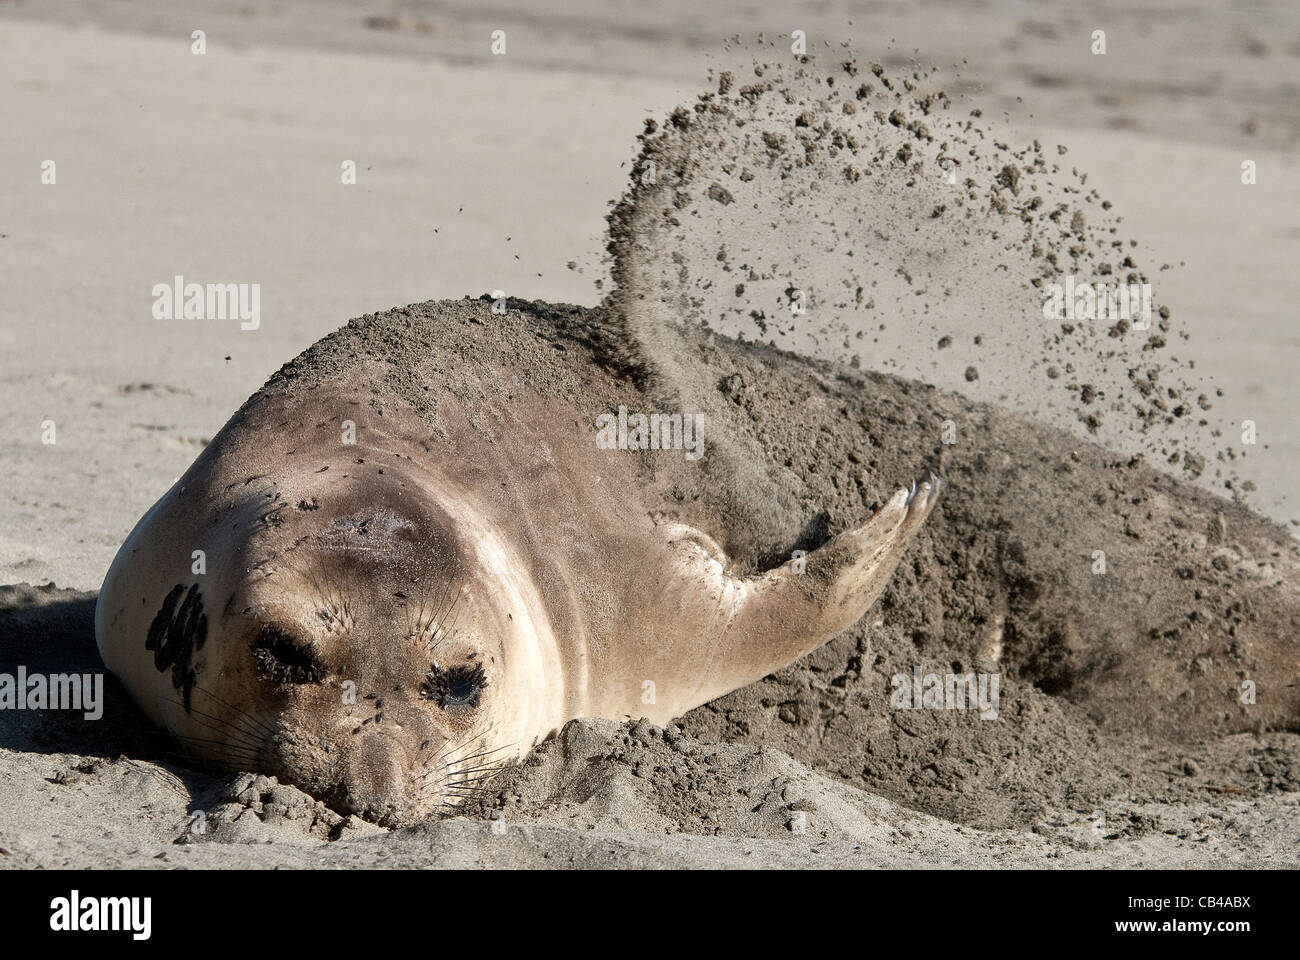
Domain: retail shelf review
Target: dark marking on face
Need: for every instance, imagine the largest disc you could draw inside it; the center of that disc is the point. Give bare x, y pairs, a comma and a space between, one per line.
305, 505
177, 633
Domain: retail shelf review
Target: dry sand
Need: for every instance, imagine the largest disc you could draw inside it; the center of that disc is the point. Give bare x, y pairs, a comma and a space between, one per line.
226, 168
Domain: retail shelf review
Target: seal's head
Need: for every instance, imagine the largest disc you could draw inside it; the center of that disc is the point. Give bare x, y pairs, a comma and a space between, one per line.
377, 648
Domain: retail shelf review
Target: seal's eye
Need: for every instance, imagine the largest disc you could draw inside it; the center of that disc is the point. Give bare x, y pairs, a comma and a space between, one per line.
282, 658
455, 688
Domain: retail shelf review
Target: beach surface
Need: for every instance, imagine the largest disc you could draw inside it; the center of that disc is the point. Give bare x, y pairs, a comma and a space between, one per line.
478, 173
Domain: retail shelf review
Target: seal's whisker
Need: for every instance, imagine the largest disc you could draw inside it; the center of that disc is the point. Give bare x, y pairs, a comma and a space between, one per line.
451, 764
493, 769
479, 772
447, 774
229, 744
465, 773
265, 727
466, 785
234, 737
221, 765
238, 736
232, 749
466, 799
449, 592
468, 743
476, 756
464, 793
416, 622
450, 769
436, 619
222, 759
458, 781
333, 595
451, 748
444, 630
247, 735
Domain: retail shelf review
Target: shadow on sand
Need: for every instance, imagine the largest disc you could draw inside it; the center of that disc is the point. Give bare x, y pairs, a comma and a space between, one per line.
47, 630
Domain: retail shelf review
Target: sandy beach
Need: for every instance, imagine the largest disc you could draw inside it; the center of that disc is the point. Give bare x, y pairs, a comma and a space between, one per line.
477, 173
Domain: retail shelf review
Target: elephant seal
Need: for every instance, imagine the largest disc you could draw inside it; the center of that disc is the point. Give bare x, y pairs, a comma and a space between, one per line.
410, 557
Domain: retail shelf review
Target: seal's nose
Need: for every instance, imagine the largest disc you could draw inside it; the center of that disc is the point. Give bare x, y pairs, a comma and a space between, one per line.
374, 786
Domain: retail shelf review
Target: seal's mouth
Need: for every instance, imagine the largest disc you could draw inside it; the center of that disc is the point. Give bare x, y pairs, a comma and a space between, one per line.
366, 776
399, 807
381, 777
341, 799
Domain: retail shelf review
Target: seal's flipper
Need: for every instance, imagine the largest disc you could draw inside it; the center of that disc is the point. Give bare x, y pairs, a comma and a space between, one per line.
850, 571
768, 621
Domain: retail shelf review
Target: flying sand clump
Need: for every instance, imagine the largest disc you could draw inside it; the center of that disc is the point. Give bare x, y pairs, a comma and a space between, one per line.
842, 213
